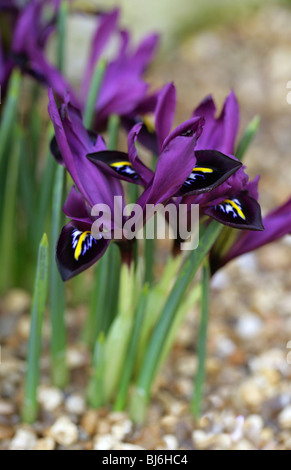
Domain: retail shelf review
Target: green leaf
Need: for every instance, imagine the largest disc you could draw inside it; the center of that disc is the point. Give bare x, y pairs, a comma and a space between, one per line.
30, 406
248, 137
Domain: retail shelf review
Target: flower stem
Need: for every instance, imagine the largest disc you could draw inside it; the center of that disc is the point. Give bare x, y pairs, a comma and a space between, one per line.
8, 233
160, 334
95, 391
113, 128
9, 111
120, 401
29, 407
95, 86
202, 342
57, 291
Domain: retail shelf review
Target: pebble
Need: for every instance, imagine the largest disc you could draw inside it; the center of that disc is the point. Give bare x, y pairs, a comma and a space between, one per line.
128, 446
76, 357
122, 428
6, 432
6, 408
17, 300
105, 442
244, 444
284, 418
24, 439
64, 431
89, 421
45, 443
249, 326
171, 442
50, 398
202, 440
251, 394
75, 404
169, 423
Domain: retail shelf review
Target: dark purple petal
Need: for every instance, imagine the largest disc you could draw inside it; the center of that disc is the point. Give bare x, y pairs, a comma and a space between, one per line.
187, 129
145, 173
75, 144
165, 112
212, 169
76, 208
77, 249
144, 54
116, 164
277, 224
219, 133
241, 212
105, 29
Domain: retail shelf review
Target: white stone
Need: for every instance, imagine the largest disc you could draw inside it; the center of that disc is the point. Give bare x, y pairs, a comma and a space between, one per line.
76, 404
50, 398
284, 418
24, 439
64, 431
249, 326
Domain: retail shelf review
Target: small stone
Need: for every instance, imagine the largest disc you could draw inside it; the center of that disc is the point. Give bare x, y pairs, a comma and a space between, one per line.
105, 442
64, 431
24, 439
284, 418
6, 432
249, 326
244, 444
89, 422
127, 446
46, 443
222, 442
75, 404
103, 426
120, 430
17, 300
171, 442
169, 423
50, 398
251, 394
253, 427
202, 440
23, 326
76, 357
6, 408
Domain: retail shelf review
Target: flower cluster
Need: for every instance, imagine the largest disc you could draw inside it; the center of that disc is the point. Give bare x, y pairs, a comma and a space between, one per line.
195, 162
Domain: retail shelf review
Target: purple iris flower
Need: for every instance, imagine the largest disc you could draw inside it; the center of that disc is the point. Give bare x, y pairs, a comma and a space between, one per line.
23, 43
180, 169
235, 201
123, 90
77, 248
277, 224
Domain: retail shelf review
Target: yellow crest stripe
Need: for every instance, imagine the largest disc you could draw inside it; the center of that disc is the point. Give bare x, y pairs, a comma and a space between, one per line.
236, 207
203, 170
78, 249
117, 164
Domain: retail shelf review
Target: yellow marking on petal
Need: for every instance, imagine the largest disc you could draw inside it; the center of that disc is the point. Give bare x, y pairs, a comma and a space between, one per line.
118, 164
202, 170
149, 123
78, 249
236, 207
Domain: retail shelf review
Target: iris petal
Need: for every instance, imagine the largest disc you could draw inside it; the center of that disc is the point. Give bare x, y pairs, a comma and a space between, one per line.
77, 249
116, 164
241, 212
212, 169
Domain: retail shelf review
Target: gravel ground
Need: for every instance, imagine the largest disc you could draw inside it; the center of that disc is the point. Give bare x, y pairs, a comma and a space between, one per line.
248, 388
